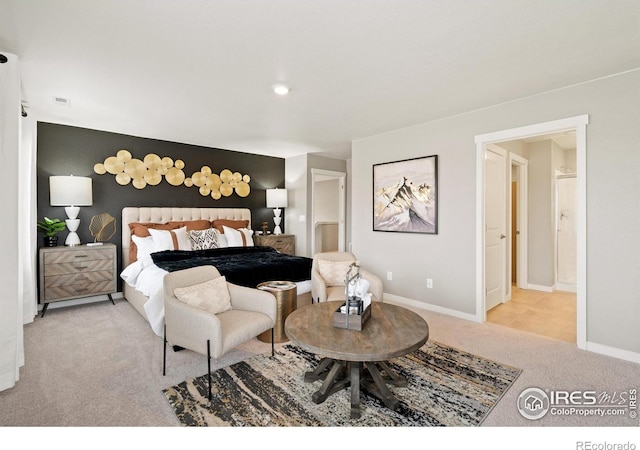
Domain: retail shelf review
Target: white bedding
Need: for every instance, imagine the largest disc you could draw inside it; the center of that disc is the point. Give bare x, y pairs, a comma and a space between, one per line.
147, 278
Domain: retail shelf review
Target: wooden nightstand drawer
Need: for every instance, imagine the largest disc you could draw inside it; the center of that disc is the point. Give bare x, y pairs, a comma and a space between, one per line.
90, 265
56, 257
77, 278
284, 243
69, 291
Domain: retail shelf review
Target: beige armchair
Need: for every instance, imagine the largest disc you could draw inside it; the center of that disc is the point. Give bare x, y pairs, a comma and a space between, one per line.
323, 290
252, 312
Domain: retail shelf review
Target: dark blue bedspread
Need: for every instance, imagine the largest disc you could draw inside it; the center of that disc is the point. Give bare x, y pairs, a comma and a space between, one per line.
246, 266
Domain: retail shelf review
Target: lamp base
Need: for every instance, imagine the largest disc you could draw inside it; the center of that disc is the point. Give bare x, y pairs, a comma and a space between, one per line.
277, 220
72, 238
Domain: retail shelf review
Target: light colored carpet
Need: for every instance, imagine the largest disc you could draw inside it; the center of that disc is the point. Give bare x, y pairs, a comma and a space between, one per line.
101, 365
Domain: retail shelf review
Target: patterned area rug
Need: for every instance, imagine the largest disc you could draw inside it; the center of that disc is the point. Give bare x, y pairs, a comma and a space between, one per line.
447, 387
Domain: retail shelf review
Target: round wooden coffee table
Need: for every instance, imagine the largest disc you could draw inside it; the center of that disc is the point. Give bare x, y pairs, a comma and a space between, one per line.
357, 358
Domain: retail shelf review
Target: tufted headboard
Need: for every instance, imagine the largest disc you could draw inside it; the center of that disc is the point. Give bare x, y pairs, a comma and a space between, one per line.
170, 214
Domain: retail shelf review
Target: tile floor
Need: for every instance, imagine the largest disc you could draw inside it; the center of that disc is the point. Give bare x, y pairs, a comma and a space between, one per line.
551, 314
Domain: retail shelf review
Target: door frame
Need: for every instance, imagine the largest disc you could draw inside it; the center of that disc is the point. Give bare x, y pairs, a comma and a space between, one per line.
579, 124
316, 174
522, 218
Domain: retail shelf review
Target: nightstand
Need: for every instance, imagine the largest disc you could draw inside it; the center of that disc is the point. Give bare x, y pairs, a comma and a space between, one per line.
284, 243
79, 271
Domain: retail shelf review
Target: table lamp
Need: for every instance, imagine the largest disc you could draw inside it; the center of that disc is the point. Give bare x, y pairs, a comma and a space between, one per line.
71, 192
277, 198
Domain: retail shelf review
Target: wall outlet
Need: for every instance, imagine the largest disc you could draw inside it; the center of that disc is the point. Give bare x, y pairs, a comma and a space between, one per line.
429, 283
389, 276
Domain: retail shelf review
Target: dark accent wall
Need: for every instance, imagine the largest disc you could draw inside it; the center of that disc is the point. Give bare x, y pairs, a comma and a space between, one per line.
66, 150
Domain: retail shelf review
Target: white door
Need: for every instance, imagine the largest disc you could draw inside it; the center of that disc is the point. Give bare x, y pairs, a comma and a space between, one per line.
566, 234
495, 226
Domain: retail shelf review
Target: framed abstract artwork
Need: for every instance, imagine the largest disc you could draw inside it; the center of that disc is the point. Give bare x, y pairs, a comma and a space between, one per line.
405, 196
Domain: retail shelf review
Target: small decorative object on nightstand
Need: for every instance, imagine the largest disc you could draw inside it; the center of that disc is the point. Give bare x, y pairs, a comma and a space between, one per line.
78, 271
102, 228
284, 243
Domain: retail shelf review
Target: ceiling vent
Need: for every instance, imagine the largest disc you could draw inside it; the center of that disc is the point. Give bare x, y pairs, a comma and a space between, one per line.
61, 101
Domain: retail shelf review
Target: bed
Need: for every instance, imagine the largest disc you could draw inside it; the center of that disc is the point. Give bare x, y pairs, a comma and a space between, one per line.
143, 277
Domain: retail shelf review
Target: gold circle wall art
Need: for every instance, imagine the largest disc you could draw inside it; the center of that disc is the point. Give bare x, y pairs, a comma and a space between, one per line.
123, 155
99, 169
174, 176
113, 165
151, 169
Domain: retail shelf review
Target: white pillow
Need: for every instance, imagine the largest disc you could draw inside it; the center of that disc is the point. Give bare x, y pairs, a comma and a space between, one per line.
212, 296
203, 239
170, 239
145, 246
221, 239
334, 273
238, 238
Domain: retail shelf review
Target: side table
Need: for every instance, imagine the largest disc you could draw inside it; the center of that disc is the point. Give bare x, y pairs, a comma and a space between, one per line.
79, 271
284, 243
286, 298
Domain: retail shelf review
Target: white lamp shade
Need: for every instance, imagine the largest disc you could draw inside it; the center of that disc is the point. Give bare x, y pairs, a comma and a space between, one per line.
70, 191
276, 198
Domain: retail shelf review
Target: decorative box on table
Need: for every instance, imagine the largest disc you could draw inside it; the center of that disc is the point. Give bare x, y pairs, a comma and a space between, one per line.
355, 322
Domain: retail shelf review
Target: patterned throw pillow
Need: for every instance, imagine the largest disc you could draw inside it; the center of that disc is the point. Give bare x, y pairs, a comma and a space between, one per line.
334, 273
212, 296
203, 239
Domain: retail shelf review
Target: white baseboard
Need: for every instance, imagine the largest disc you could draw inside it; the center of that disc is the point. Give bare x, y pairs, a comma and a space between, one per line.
429, 307
80, 301
539, 287
565, 287
613, 352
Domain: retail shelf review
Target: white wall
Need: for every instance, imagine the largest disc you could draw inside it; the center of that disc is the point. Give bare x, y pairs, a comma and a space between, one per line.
541, 218
326, 207
613, 204
296, 184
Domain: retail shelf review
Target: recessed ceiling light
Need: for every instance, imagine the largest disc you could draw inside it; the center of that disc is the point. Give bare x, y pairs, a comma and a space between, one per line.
281, 89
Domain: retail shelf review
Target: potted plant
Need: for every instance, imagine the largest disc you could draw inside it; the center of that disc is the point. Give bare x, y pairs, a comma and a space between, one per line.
50, 228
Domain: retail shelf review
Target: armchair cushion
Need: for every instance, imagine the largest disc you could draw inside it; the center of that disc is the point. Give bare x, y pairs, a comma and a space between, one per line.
212, 295
322, 290
333, 272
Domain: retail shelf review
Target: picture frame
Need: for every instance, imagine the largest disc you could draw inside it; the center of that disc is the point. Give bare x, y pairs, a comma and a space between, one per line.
405, 195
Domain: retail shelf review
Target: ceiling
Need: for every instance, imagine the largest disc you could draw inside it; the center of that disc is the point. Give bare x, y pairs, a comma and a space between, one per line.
200, 72
566, 140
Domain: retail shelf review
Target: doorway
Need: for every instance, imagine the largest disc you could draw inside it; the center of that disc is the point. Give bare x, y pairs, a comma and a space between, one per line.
578, 124
328, 211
